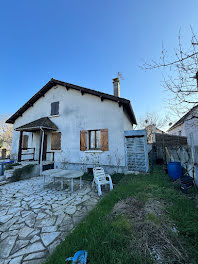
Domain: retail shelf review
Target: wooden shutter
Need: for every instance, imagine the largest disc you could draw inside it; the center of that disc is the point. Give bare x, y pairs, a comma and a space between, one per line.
52, 108
55, 108
104, 140
25, 142
56, 141
83, 140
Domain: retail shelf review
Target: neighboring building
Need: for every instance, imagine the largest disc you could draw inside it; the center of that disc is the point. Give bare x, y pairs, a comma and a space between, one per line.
76, 127
187, 126
151, 131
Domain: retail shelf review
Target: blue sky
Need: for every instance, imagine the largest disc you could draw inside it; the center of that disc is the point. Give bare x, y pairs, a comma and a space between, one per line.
87, 43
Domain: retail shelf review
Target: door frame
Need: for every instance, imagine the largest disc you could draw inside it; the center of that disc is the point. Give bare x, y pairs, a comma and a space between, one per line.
136, 133
138, 136
44, 146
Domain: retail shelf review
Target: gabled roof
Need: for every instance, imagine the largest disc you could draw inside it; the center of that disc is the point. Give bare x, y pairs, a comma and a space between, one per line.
181, 120
44, 123
121, 101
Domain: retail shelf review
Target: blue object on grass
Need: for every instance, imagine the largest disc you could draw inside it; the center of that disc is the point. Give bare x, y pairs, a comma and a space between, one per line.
175, 170
80, 257
6, 162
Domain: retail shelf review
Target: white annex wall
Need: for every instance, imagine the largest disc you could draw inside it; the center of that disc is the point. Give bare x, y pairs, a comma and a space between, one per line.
79, 112
188, 129
191, 129
176, 130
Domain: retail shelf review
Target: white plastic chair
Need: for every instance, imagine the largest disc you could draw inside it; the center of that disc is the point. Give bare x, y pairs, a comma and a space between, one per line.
100, 178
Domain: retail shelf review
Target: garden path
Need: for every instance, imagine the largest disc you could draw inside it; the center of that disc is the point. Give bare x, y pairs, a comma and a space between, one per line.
34, 220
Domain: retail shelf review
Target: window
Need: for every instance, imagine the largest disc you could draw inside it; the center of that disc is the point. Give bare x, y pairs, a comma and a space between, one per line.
56, 141
94, 139
25, 142
54, 108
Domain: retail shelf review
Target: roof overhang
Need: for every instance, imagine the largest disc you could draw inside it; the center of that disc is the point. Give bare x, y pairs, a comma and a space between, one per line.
42, 123
183, 118
33, 129
121, 101
175, 126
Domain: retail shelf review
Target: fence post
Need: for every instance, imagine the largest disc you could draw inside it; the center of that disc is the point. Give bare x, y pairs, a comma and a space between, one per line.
152, 158
3, 153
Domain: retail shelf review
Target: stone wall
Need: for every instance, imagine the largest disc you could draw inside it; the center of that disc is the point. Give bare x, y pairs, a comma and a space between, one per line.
33, 173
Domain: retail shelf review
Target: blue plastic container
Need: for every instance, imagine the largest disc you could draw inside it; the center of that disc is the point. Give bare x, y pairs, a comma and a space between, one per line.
2, 164
174, 170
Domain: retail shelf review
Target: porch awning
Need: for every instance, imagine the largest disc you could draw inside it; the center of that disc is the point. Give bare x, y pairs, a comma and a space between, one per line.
44, 123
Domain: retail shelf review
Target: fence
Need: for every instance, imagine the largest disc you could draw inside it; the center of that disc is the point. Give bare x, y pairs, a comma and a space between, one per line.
163, 141
170, 140
174, 148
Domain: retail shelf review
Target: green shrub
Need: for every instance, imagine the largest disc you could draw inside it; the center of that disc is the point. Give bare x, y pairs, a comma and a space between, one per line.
117, 177
87, 176
151, 217
18, 173
10, 166
120, 223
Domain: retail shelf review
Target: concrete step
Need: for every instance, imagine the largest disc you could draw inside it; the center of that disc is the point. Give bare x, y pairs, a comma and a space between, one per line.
3, 182
2, 178
8, 173
132, 172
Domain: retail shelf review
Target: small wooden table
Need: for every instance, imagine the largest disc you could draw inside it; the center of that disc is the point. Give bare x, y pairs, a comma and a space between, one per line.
68, 174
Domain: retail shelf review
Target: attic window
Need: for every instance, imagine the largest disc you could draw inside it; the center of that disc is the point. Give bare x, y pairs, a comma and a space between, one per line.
54, 108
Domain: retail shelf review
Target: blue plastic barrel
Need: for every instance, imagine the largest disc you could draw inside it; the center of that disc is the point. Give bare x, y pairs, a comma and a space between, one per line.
174, 170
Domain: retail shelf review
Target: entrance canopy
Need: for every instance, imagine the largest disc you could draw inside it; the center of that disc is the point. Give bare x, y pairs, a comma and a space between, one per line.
42, 123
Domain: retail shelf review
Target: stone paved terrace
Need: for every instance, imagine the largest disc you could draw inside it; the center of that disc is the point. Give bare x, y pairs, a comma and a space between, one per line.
34, 219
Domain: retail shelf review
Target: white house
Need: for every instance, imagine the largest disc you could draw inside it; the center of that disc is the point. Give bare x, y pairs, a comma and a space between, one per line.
187, 126
73, 126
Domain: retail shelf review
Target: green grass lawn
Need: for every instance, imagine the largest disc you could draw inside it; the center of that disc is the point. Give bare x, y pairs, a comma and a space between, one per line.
114, 239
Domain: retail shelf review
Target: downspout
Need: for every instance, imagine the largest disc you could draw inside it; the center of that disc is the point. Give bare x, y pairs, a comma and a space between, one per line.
41, 154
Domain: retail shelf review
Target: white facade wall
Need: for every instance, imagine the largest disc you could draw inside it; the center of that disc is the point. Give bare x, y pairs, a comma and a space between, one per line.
76, 113
191, 129
188, 129
176, 131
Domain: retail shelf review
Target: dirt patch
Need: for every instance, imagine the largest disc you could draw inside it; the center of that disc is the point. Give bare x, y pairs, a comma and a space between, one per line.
130, 207
154, 234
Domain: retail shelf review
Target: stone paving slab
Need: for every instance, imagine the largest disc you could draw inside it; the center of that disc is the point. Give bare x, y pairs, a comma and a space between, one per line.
34, 219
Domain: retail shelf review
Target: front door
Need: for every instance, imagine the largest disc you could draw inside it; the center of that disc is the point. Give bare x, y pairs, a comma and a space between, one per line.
136, 158
44, 147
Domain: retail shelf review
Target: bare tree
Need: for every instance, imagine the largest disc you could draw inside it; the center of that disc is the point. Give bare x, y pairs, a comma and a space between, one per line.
152, 118
5, 132
181, 74
153, 123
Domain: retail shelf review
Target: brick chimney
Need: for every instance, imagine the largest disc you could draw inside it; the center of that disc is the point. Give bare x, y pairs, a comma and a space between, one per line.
116, 87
